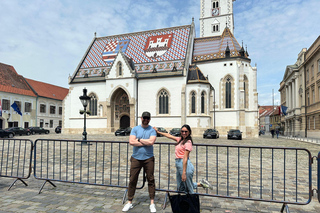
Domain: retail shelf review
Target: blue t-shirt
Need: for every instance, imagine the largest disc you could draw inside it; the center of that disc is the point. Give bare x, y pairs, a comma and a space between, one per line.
143, 152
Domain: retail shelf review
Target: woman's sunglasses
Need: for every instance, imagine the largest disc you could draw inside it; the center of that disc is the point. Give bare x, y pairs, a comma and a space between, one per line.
184, 131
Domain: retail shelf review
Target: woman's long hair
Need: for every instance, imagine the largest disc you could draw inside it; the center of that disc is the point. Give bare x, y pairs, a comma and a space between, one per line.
188, 137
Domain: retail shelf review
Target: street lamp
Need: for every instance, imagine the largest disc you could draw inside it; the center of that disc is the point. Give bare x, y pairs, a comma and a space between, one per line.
84, 100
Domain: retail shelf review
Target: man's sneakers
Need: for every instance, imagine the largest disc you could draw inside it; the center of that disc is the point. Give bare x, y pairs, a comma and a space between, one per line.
153, 208
205, 184
127, 207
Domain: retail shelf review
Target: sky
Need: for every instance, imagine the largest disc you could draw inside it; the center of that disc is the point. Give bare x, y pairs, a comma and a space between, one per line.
45, 40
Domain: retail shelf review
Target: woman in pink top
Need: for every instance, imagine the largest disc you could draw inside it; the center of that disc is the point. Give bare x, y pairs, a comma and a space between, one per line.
185, 168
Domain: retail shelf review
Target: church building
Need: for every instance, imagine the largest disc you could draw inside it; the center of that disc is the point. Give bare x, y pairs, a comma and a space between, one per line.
206, 82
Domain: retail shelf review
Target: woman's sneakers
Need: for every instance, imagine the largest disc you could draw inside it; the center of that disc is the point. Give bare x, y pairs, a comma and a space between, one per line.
153, 208
205, 184
127, 207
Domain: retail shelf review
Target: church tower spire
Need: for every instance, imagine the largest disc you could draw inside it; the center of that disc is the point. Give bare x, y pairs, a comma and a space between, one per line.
215, 16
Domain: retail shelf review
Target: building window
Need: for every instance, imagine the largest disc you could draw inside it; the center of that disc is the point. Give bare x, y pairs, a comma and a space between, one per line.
60, 110
313, 96
52, 110
42, 108
51, 123
246, 92
203, 98
193, 102
308, 122
163, 102
215, 4
5, 104
119, 68
319, 65
27, 107
312, 71
228, 93
308, 99
314, 122
93, 104
60, 122
307, 75
319, 93
26, 124
215, 28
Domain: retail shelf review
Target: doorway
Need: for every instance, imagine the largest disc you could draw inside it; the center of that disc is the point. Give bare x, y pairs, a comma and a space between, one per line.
124, 121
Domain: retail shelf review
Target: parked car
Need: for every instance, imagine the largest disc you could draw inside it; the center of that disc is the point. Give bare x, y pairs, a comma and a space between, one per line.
58, 129
39, 130
175, 132
19, 130
6, 133
211, 133
161, 129
235, 134
261, 132
123, 131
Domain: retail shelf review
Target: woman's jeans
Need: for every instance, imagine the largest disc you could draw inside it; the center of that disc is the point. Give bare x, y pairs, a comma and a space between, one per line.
189, 171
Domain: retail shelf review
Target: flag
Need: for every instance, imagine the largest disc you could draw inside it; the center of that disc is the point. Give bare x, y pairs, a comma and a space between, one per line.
16, 108
0, 109
284, 110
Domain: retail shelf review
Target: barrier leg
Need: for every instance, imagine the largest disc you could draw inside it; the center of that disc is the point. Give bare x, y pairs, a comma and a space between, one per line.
44, 184
165, 201
16, 181
124, 196
285, 206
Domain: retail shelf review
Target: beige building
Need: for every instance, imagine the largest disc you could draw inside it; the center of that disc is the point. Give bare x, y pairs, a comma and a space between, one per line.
312, 73
300, 92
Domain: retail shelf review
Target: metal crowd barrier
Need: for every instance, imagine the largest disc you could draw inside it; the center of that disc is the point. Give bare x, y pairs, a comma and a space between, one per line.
15, 159
101, 163
270, 174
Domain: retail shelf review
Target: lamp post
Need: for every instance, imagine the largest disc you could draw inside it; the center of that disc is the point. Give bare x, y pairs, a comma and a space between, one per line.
84, 100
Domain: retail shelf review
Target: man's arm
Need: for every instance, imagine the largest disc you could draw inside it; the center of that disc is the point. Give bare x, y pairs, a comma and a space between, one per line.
133, 141
148, 142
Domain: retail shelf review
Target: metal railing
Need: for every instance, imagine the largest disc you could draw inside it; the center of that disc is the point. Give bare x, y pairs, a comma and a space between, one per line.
15, 159
269, 174
102, 163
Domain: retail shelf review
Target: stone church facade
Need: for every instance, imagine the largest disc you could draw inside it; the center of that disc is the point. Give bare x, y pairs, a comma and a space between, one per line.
205, 82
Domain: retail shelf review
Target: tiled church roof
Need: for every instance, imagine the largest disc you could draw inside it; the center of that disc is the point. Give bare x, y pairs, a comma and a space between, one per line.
11, 82
48, 90
138, 47
195, 75
210, 48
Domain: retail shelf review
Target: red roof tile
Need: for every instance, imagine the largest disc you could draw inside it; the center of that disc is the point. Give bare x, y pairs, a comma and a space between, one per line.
48, 90
11, 82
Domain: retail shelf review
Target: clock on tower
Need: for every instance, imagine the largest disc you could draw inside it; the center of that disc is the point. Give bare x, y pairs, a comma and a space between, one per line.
215, 11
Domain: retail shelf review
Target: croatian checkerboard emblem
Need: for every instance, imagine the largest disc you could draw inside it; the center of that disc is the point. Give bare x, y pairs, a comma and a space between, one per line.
158, 45
112, 48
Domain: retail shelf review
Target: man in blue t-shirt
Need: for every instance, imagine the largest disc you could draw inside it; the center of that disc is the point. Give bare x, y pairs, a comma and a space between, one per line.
142, 138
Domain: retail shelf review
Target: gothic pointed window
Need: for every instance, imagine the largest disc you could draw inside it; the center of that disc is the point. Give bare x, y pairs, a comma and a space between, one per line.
193, 102
119, 69
163, 102
93, 104
228, 92
203, 102
246, 92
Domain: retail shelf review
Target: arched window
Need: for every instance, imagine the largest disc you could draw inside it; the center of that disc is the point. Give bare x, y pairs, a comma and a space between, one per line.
246, 92
93, 105
119, 68
193, 102
203, 102
228, 93
163, 102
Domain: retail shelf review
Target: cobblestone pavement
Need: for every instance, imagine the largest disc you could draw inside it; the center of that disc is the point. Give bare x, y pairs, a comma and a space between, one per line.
70, 197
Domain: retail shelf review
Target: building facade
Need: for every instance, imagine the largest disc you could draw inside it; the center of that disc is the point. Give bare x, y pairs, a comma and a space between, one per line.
40, 103
300, 92
206, 82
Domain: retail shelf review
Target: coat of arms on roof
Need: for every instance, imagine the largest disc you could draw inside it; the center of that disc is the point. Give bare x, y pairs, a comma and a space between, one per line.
158, 45
112, 48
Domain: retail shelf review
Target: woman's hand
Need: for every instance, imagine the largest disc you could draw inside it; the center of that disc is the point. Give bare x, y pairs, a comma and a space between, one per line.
155, 128
184, 177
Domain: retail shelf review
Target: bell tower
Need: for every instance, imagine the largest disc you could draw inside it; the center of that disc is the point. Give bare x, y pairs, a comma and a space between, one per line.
215, 15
